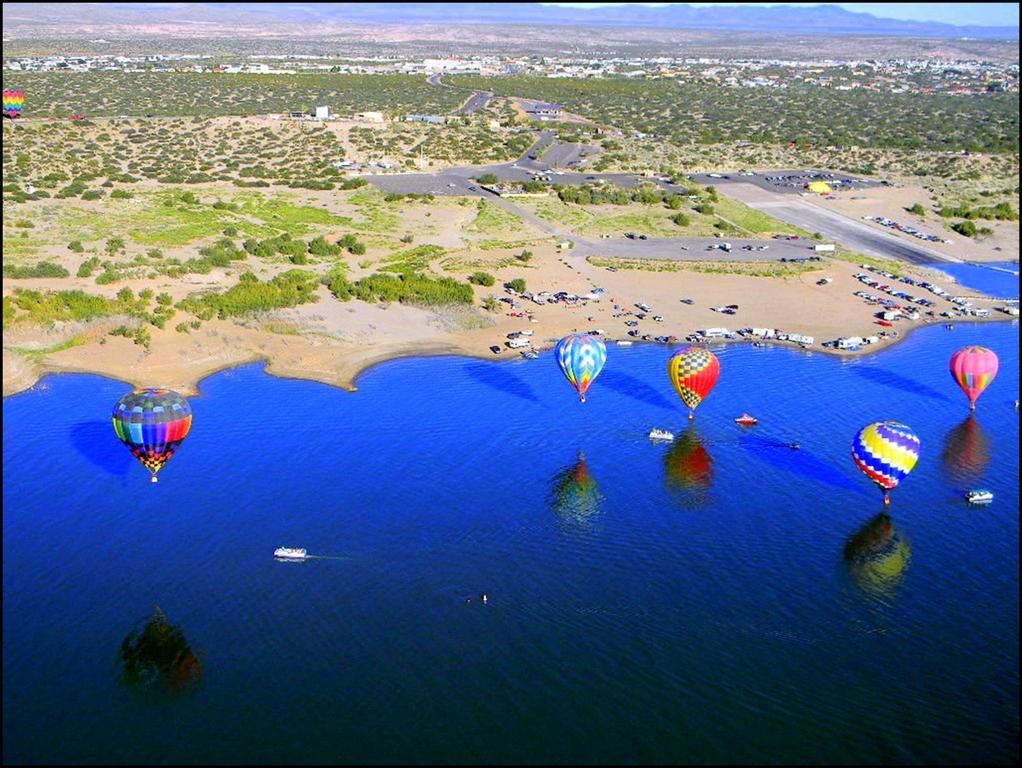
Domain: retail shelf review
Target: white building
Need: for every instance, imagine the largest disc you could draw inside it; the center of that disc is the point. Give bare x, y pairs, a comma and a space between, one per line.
323, 113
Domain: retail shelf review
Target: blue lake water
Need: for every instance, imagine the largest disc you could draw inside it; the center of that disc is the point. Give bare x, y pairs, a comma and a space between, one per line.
995, 279
721, 599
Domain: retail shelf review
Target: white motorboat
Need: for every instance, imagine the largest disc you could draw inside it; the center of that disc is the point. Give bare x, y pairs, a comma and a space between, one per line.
661, 434
290, 553
979, 496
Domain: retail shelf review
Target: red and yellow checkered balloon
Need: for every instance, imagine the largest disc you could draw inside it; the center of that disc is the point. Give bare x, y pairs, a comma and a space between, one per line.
694, 372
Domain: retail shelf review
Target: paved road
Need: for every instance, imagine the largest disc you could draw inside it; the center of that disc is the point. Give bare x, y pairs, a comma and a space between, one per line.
477, 101
849, 232
521, 170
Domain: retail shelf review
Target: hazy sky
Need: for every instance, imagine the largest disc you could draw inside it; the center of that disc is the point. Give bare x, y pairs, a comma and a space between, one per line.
983, 14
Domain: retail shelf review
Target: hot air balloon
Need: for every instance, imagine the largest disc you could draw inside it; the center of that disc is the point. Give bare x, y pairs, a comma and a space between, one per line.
974, 368
581, 357
14, 100
819, 187
885, 452
152, 423
694, 372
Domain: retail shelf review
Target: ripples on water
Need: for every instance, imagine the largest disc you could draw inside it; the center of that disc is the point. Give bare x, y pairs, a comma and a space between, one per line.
720, 598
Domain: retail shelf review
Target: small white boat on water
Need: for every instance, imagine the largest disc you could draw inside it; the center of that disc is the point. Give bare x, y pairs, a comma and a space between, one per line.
979, 496
290, 553
661, 434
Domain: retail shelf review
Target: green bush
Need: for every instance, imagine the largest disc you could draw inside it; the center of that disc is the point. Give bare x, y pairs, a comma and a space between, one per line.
966, 228
87, 267
320, 247
51, 306
518, 284
352, 244
337, 283
482, 278
42, 269
411, 288
287, 289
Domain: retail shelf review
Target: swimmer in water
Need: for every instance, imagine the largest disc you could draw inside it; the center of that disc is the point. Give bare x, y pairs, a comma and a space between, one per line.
484, 598
794, 446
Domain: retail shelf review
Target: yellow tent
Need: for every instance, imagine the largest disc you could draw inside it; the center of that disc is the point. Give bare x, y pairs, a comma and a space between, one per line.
820, 187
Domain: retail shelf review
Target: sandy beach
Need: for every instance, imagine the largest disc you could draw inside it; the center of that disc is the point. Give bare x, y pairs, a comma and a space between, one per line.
333, 342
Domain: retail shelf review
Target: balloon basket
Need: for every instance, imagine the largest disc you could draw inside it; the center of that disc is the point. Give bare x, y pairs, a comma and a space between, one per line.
154, 479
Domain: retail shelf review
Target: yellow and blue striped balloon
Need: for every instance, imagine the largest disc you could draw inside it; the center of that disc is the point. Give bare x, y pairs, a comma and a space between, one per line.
885, 452
581, 357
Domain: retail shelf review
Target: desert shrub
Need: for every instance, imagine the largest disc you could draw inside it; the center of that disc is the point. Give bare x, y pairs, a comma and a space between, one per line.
482, 278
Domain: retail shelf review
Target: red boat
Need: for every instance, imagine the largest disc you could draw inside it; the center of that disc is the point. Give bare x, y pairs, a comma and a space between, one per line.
886, 323
746, 420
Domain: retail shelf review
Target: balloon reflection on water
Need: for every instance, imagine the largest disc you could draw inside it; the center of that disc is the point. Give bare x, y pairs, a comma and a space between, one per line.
688, 465
877, 556
966, 451
576, 495
158, 656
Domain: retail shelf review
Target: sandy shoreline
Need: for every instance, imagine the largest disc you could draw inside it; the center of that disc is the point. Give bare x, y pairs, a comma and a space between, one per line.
337, 368
346, 377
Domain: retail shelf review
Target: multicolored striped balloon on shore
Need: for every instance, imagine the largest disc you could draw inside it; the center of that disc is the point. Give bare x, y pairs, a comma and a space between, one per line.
885, 452
694, 372
13, 102
152, 423
974, 368
581, 357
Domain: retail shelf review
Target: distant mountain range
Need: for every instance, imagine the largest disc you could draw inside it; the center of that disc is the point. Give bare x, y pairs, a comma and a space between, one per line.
812, 20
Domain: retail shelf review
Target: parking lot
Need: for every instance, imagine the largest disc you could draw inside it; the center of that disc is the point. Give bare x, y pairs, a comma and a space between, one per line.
835, 227
787, 181
848, 232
